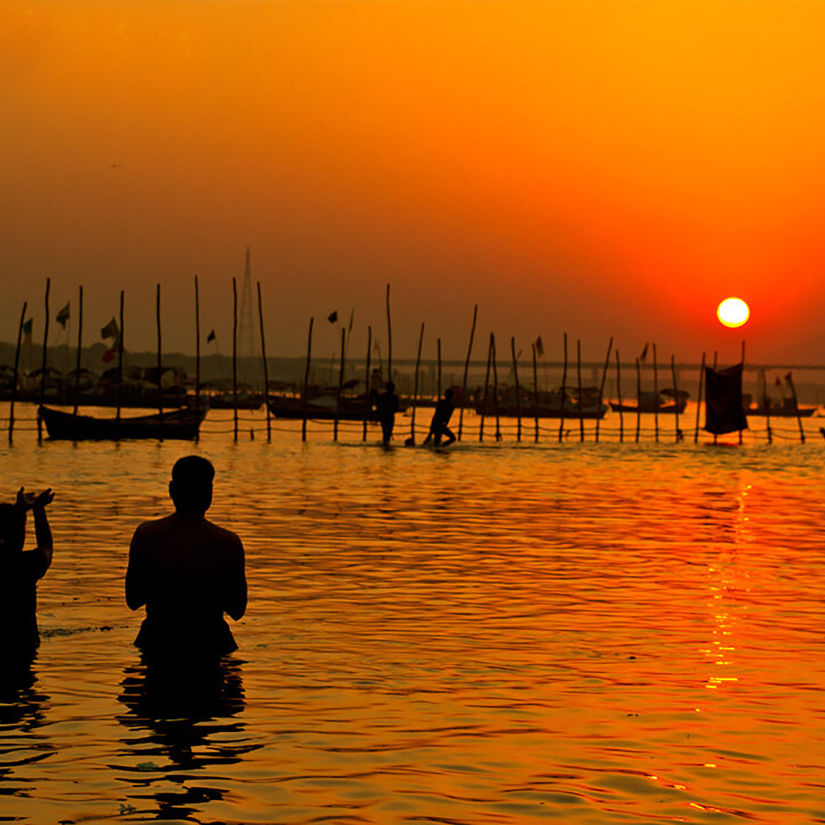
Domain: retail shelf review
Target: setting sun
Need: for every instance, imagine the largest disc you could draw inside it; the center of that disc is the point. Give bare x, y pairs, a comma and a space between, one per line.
733, 312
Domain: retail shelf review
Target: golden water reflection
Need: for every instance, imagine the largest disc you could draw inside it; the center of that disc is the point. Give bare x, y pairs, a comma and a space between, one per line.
595, 634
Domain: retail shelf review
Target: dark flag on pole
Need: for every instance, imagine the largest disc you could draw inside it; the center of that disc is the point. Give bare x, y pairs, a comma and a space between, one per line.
723, 409
111, 330
63, 316
539, 347
644, 351
211, 337
332, 317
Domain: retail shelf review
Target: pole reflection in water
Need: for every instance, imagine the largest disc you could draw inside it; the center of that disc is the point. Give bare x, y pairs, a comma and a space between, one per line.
183, 721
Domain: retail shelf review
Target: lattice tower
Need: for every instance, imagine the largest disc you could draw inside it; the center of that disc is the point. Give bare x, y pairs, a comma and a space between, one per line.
246, 324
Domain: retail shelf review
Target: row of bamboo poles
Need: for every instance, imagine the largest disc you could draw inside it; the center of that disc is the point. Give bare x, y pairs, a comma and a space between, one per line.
491, 369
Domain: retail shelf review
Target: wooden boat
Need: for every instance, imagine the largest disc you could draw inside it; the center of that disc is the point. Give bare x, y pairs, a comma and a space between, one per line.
324, 408
549, 405
786, 409
177, 424
651, 402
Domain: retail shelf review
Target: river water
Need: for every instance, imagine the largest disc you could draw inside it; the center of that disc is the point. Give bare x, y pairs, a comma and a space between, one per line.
494, 633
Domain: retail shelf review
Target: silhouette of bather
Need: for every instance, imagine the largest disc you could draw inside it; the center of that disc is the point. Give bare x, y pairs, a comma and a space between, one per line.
441, 418
188, 572
19, 573
387, 406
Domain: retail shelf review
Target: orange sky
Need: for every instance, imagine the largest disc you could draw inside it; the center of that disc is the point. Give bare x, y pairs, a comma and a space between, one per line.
601, 167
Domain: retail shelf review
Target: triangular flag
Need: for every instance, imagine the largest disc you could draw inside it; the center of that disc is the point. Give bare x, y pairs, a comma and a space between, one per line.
111, 330
63, 316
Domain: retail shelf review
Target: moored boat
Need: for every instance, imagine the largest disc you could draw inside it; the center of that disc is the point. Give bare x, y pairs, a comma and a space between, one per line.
182, 424
664, 402
784, 409
553, 404
323, 408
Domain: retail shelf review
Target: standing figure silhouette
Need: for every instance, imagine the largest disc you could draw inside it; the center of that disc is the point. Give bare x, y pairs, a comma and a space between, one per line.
188, 572
387, 406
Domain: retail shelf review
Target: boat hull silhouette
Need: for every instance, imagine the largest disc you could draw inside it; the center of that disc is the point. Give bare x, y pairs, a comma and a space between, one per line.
352, 409
177, 424
661, 409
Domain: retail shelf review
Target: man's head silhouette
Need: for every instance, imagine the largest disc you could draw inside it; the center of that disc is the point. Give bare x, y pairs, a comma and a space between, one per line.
191, 485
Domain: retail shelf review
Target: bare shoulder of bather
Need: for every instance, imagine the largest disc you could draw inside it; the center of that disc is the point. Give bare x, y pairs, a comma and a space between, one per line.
185, 542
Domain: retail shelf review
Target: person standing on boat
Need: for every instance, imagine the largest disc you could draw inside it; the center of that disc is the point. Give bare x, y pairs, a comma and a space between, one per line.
188, 572
387, 406
441, 418
19, 573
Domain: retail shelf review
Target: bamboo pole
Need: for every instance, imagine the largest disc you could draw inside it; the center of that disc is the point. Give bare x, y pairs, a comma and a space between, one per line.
160, 358
235, 358
743, 379
789, 378
563, 391
411, 439
466, 370
16, 371
306, 380
43, 362
119, 385
367, 382
638, 398
601, 386
79, 348
389, 337
340, 385
579, 387
677, 431
265, 365
535, 395
715, 361
197, 353
438, 386
699, 399
495, 386
486, 389
767, 405
655, 394
518, 388
619, 396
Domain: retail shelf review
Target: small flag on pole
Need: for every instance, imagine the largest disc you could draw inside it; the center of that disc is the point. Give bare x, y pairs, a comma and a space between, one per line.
63, 316
333, 316
539, 347
27, 330
211, 337
111, 330
644, 352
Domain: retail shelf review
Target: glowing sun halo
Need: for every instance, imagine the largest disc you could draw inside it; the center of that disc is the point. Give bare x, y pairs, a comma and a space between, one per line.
733, 312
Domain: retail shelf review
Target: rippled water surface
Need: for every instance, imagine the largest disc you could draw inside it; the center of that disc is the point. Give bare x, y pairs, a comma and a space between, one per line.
491, 634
